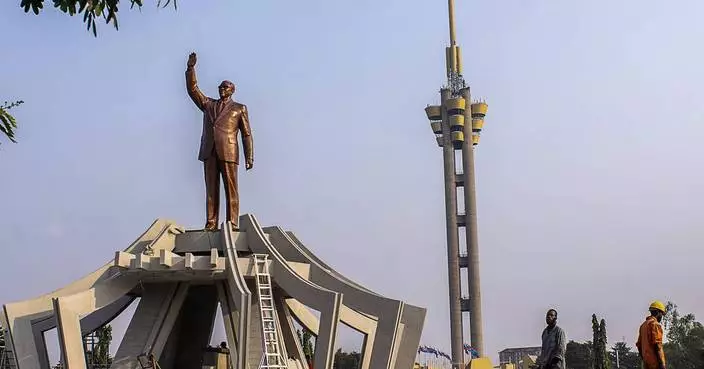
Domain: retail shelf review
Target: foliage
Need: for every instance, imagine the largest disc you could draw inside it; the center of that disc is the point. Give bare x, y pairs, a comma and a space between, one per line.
101, 356
627, 358
578, 355
344, 360
308, 348
98, 354
600, 357
91, 9
684, 348
8, 124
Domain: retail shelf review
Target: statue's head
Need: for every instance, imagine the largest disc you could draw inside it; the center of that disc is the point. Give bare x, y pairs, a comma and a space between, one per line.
226, 89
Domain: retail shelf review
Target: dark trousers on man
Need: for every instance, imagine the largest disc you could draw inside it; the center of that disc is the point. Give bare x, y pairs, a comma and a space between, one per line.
214, 168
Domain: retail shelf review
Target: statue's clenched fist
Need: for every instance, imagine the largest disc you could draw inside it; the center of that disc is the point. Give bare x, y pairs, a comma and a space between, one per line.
192, 60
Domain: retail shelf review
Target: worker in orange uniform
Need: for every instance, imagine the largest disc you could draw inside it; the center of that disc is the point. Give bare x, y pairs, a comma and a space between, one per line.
649, 342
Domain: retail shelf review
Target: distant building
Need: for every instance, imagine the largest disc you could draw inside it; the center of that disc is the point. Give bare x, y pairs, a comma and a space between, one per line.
516, 354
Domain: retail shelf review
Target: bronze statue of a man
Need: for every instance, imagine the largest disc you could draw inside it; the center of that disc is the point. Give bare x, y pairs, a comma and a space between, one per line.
219, 152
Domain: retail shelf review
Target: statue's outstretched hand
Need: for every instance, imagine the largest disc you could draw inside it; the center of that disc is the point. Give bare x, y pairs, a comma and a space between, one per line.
249, 164
192, 60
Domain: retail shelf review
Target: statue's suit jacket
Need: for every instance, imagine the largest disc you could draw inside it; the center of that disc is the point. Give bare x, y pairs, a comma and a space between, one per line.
222, 120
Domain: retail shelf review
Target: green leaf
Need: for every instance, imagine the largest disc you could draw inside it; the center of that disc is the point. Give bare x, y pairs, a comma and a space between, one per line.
25, 4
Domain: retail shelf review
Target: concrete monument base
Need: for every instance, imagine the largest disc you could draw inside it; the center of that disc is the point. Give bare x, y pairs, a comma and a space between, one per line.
181, 276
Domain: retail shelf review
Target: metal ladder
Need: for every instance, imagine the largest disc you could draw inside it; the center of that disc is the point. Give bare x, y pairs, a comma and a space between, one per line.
272, 357
7, 359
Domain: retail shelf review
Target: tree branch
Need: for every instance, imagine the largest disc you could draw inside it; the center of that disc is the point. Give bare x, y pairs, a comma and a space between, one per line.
8, 124
91, 9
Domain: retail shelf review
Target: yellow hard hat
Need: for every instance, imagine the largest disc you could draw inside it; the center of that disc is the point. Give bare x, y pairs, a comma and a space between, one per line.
657, 305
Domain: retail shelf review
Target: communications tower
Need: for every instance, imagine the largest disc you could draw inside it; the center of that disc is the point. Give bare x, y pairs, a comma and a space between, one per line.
457, 124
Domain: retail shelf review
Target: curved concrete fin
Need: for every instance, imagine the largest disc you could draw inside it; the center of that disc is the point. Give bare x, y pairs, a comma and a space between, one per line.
105, 315
413, 318
303, 316
92, 321
365, 325
289, 334
89, 324
387, 311
166, 240
302, 249
18, 316
230, 317
240, 296
168, 316
351, 318
69, 309
327, 302
185, 335
151, 323
287, 244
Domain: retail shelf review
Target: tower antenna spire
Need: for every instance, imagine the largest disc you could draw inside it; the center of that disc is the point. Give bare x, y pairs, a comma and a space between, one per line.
453, 59
451, 19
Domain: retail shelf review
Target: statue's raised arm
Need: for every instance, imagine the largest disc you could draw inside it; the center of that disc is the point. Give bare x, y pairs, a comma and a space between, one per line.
192, 84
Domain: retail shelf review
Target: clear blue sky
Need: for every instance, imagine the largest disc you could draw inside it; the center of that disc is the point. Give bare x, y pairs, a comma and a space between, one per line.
589, 172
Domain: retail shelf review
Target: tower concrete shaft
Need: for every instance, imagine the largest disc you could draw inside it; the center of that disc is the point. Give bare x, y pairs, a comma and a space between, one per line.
471, 234
457, 124
453, 249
